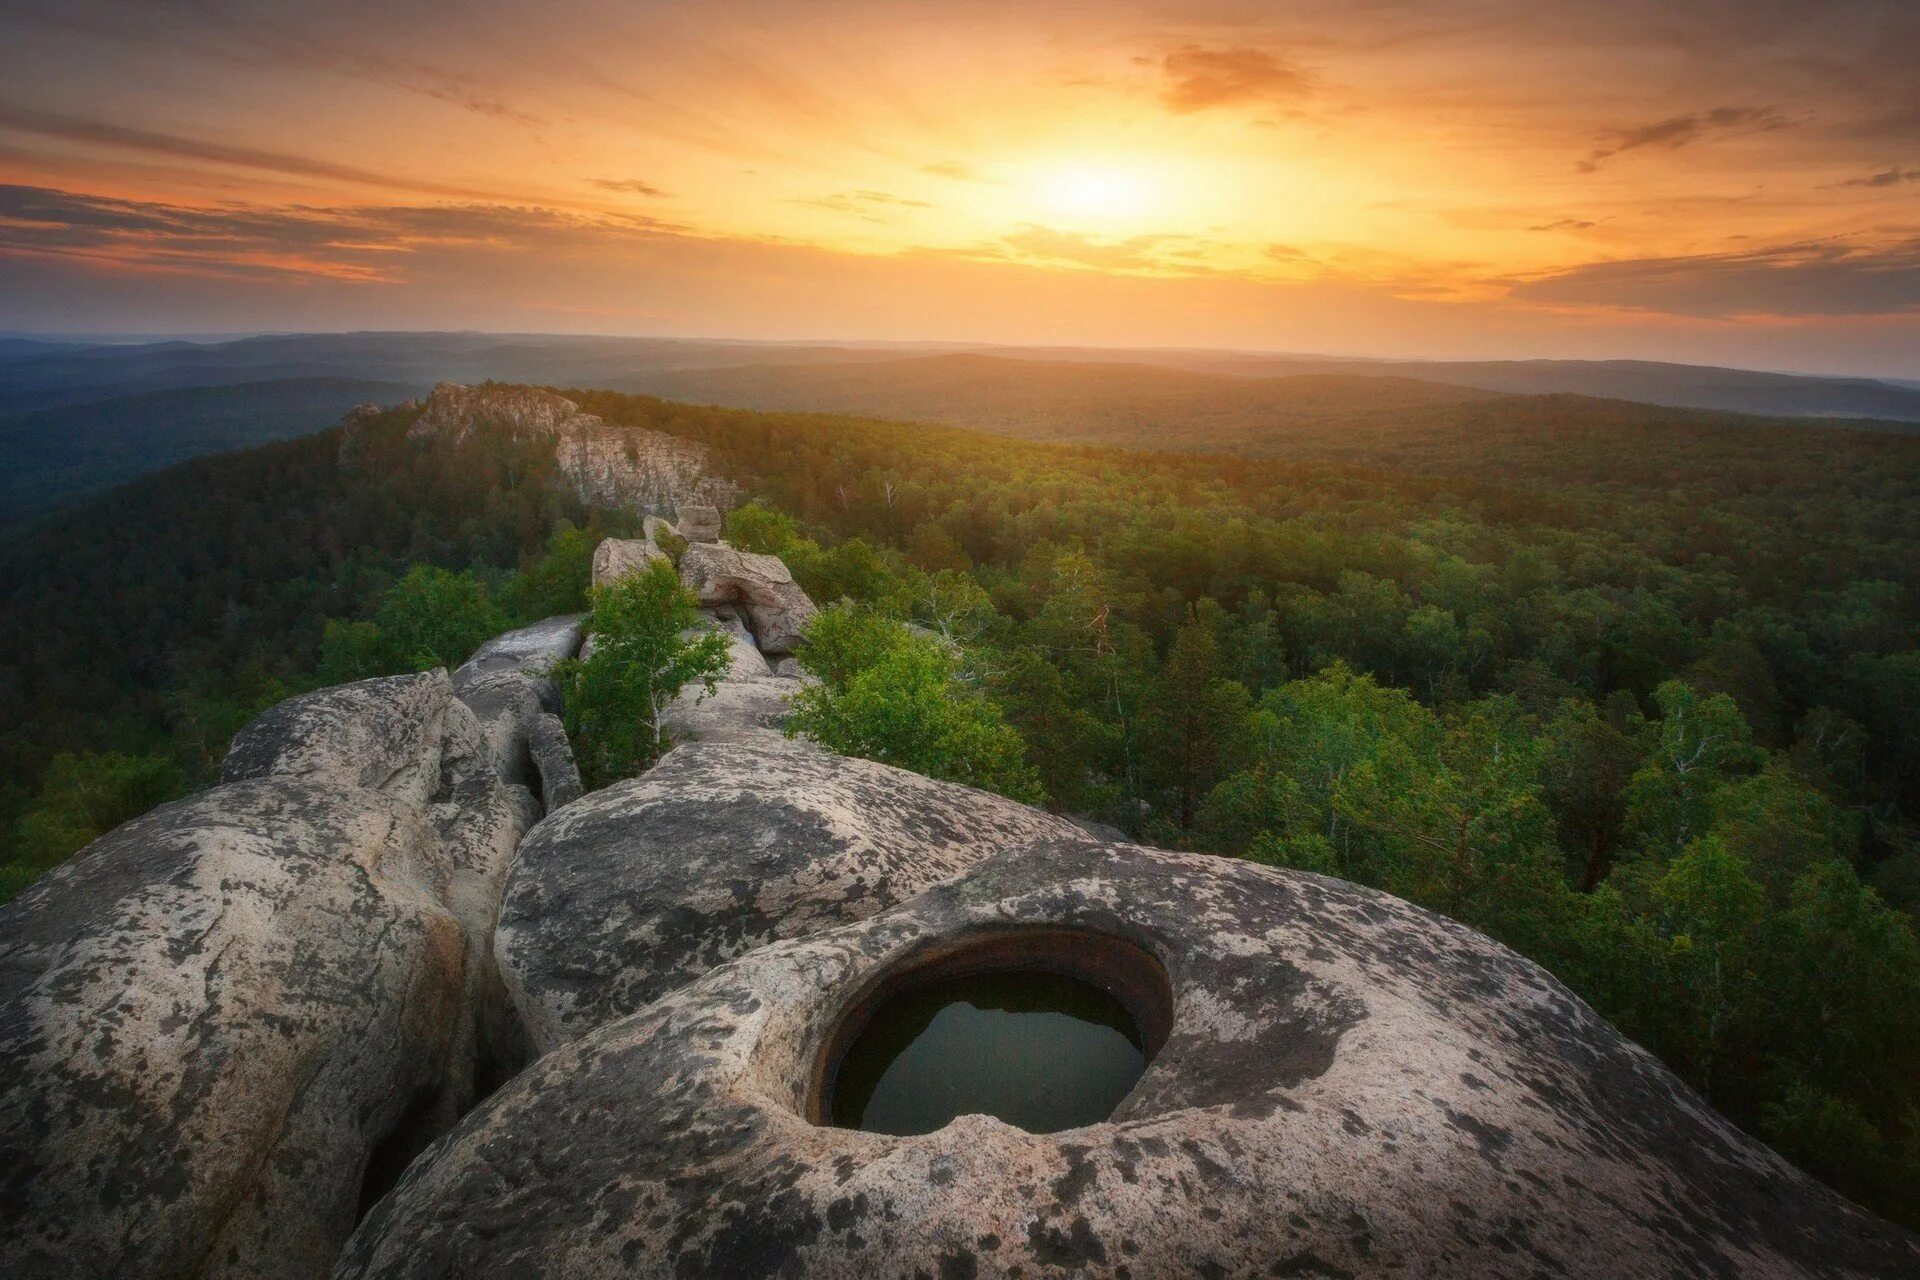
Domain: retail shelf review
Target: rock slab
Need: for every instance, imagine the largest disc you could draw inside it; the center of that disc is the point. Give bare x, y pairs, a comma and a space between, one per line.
777, 609
1348, 1086
221, 1022
722, 847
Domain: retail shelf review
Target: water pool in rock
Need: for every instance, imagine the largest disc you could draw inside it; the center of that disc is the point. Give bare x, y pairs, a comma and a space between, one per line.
1041, 1051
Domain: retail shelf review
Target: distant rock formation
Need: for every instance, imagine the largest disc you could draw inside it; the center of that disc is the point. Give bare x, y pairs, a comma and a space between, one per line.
755, 601
606, 465
777, 609
615, 558
699, 524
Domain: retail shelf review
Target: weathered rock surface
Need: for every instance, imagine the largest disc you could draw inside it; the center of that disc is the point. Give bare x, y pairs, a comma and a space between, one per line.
738, 710
553, 760
383, 735
748, 703
615, 558
722, 847
508, 686
698, 522
776, 608
222, 1019
1349, 1086
605, 464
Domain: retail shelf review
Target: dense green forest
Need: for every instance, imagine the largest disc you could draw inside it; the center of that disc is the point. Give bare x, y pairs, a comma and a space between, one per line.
53, 455
1638, 696
1312, 410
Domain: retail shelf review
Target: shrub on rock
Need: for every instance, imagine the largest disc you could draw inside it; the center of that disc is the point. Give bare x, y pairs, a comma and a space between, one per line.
644, 650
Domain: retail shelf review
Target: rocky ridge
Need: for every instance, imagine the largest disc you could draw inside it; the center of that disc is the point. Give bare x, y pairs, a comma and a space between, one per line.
229, 1029
606, 465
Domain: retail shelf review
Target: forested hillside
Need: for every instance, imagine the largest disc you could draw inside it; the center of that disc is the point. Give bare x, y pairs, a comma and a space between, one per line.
1640, 696
51, 456
1339, 410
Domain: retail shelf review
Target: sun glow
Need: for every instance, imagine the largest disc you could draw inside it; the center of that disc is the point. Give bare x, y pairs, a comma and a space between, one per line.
1097, 195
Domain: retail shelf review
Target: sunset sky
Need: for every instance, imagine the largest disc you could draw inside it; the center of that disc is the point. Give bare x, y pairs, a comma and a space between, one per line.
1735, 181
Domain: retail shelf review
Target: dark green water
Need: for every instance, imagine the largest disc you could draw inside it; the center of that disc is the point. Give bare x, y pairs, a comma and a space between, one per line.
1040, 1051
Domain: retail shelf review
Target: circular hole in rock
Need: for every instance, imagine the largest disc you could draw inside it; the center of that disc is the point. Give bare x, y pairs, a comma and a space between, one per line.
1043, 1029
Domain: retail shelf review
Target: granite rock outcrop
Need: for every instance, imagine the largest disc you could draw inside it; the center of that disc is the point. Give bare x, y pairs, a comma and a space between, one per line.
720, 848
226, 1024
1345, 1085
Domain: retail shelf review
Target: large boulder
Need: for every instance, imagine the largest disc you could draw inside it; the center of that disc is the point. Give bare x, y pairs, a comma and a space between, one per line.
385, 735
699, 523
508, 684
777, 609
723, 847
1345, 1085
616, 558
226, 1025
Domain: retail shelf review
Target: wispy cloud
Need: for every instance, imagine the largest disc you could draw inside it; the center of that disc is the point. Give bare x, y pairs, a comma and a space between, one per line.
358, 243
1675, 132
205, 30
631, 186
1885, 178
1564, 224
955, 170
865, 205
125, 137
1133, 253
1198, 79
1807, 279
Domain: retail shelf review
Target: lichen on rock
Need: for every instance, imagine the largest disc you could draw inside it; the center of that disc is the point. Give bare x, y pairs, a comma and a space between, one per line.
720, 848
1350, 1086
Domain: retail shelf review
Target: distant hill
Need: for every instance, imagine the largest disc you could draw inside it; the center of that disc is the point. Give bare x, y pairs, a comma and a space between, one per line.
1320, 415
44, 373
51, 456
1091, 403
58, 376
1648, 382
76, 418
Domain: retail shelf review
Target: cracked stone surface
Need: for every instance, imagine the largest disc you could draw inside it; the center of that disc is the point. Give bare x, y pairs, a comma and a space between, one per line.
508, 685
761, 585
1351, 1087
720, 848
213, 1017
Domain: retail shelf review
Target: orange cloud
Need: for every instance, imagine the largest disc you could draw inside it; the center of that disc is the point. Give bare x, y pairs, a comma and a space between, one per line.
1198, 79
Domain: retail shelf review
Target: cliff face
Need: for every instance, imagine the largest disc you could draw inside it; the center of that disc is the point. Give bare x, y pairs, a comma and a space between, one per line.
605, 464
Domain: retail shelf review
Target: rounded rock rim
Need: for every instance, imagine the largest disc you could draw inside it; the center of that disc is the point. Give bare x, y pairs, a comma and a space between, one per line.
1125, 970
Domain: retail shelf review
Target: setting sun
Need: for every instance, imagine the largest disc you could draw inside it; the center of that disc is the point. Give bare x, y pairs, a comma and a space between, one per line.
1097, 195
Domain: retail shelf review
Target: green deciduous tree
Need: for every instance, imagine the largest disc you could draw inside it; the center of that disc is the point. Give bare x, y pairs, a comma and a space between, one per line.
429, 618
647, 645
886, 692
1701, 742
